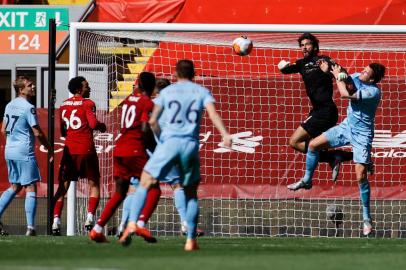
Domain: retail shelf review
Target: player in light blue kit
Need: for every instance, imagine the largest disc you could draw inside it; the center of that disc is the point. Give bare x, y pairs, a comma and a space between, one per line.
20, 126
181, 105
357, 130
172, 178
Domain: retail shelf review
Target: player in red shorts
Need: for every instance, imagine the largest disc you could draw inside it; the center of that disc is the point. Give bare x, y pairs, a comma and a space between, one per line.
79, 160
130, 153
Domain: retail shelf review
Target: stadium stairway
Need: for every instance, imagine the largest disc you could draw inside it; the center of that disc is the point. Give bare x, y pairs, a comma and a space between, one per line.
134, 59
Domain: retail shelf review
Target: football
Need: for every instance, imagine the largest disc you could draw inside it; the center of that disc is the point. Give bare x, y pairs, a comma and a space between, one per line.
334, 214
242, 46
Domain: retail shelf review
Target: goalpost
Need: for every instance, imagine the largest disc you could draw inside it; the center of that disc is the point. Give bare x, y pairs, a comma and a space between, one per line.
243, 190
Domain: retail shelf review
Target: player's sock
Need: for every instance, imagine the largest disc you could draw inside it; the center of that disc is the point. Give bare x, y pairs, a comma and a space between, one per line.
153, 195
93, 203
58, 208
137, 203
5, 199
97, 228
180, 203
110, 208
141, 223
312, 159
30, 208
365, 193
192, 213
126, 210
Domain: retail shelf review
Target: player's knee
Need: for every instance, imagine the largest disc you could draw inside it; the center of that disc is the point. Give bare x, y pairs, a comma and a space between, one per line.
293, 142
314, 145
176, 186
31, 188
16, 187
361, 173
94, 183
147, 180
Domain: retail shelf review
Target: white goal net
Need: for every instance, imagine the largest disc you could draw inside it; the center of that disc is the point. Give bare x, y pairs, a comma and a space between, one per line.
243, 190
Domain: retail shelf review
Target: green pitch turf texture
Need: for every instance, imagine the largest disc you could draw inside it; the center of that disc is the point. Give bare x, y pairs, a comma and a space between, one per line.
44, 252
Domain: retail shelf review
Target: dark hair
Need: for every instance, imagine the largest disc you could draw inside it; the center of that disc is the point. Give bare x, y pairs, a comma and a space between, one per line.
146, 82
162, 83
19, 83
185, 69
313, 39
378, 71
75, 84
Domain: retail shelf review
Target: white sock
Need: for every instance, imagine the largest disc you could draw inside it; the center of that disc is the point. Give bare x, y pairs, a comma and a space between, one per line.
141, 223
57, 220
89, 216
98, 228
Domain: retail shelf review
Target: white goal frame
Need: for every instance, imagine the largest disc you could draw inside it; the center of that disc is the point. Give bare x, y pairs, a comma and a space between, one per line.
75, 27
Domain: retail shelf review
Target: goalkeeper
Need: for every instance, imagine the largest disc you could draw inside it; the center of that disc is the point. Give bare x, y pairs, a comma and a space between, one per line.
315, 71
357, 130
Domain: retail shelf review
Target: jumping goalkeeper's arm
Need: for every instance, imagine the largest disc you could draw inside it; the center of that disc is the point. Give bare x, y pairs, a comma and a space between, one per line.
345, 87
287, 68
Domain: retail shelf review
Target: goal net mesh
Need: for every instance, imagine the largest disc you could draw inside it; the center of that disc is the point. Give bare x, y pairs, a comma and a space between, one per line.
243, 190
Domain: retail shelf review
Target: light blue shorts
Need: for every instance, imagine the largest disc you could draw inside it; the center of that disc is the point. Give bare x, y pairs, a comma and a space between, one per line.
361, 142
23, 172
173, 176
173, 152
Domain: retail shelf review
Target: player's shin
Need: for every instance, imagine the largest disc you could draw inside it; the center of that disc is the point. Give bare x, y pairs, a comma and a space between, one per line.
110, 208
58, 207
138, 203
30, 208
312, 159
5, 199
151, 202
365, 193
126, 211
192, 214
180, 203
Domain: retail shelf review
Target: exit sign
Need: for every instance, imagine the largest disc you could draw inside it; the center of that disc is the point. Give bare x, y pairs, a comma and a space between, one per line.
33, 19
25, 30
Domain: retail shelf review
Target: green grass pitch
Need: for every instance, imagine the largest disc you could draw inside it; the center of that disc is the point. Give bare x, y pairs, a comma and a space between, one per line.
59, 253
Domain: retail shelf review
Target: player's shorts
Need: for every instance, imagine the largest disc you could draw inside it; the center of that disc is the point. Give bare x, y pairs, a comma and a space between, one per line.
172, 152
317, 123
173, 176
23, 172
74, 167
361, 142
127, 167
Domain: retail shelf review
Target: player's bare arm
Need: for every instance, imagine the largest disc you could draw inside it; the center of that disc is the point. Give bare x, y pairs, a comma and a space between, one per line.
218, 123
286, 68
326, 65
341, 84
3, 128
41, 137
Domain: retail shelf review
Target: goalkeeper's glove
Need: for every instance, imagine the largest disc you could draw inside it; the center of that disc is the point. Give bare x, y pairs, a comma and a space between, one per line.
283, 64
342, 76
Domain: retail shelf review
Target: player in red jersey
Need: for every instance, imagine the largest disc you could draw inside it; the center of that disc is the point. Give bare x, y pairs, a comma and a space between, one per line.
79, 160
130, 153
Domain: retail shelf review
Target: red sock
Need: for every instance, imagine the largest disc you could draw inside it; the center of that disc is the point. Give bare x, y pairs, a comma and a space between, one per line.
93, 203
110, 208
151, 202
58, 208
